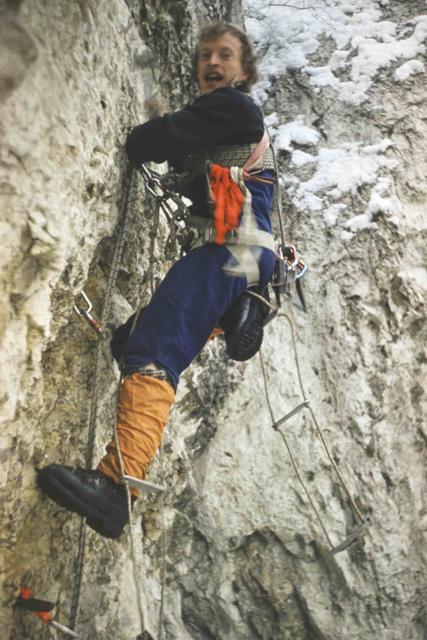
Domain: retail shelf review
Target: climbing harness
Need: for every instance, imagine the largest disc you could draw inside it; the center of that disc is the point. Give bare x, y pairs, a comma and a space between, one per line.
233, 223
42, 609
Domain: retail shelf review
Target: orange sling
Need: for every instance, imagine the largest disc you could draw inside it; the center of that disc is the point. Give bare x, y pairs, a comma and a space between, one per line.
228, 199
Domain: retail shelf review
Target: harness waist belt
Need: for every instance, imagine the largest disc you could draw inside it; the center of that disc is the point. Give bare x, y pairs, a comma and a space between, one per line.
206, 232
237, 154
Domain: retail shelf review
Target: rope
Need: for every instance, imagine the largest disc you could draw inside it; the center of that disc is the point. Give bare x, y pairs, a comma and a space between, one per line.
354, 506
150, 277
278, 196
291, 456
153, 235
89, 458
164, 549
131, 533
162, 462
262, 299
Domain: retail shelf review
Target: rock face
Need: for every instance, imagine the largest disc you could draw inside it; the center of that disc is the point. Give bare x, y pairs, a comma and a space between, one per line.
245, 556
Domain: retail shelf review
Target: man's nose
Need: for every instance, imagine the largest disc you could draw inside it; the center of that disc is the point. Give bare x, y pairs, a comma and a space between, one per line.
214, 58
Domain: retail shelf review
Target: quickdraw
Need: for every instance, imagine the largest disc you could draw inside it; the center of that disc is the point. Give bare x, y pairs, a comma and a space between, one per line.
289, 270
42, 609
86, 313
171, 204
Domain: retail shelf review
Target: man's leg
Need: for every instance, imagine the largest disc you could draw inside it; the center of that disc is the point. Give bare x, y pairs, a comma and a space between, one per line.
172, 330
170, 333
142, 413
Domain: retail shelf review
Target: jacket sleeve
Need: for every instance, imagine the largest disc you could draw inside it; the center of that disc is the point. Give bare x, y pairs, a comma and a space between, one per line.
210, 120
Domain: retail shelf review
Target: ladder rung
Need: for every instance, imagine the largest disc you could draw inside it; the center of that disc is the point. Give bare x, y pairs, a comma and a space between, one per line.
65, 630
143, 484
354, 535
304, 404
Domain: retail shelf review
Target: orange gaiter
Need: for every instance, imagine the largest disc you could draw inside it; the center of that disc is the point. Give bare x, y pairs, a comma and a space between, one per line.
142, 413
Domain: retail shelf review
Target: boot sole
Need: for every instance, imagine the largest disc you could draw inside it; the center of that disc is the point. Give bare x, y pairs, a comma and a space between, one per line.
65, 496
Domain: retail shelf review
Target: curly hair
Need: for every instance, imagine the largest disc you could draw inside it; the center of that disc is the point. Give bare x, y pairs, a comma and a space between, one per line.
216, 30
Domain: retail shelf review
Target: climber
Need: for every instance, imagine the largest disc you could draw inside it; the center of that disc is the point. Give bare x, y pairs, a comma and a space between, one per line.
222, 135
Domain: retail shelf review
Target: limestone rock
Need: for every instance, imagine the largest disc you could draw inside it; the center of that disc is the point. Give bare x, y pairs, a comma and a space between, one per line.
245, 557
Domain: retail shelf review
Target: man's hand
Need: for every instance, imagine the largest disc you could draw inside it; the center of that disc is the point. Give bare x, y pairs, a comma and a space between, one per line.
155, 106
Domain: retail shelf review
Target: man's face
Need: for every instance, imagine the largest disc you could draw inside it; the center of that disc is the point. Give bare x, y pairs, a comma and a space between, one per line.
219, 63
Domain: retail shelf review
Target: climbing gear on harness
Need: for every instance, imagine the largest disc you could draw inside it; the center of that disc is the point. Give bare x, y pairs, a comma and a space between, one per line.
233, 220
243, 325
244, 162
90, 493
289, 267
169, 203
142, 413
42, 609
229, 192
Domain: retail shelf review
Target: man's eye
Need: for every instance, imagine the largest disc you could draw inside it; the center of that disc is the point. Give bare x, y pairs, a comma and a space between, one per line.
205, 55
226, 56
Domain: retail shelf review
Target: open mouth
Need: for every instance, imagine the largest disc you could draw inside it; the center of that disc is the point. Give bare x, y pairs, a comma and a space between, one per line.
214, 77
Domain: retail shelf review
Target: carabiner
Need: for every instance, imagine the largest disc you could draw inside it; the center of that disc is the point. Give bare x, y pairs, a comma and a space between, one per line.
151, 182
87, 315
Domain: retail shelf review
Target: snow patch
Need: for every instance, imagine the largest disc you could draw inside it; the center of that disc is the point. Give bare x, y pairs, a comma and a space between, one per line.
342, 171
300, 158
295, 132
362, 221
408, 69
364, 43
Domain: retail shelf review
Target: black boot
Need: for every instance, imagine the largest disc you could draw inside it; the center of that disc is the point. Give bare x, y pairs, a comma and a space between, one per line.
89, 493
243, 325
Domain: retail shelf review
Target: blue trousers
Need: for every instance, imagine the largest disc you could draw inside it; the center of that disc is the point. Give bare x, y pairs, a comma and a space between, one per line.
194, 295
